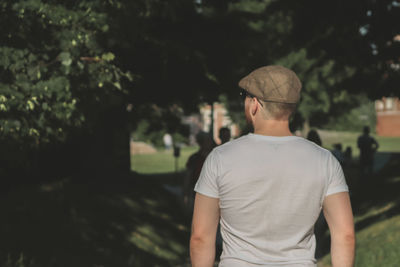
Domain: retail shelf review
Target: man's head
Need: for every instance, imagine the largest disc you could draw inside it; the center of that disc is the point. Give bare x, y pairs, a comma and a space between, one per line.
275, 88
366, 130
202, 138
224, 135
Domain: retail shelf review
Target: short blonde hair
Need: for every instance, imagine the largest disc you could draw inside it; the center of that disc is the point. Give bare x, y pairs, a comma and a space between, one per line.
277, 111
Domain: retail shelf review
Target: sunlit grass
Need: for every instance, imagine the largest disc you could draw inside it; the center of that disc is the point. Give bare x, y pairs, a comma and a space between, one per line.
377, 219
163, 161
329, 138
377, 245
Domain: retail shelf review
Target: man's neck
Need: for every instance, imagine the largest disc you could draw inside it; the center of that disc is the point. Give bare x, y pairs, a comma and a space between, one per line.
273, 128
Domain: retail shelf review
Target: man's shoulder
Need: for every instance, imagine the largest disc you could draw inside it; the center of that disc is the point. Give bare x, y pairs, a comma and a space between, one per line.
314, 147
232, 144
229, 148
245, 141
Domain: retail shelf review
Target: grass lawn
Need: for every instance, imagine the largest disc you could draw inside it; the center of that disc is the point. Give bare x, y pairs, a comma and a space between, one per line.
130, 220
164, 162
115, 222
376, 206
161, 162
329, 138
377, 212
377, 245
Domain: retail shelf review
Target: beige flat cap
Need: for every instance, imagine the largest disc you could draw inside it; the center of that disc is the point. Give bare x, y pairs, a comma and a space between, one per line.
273, 84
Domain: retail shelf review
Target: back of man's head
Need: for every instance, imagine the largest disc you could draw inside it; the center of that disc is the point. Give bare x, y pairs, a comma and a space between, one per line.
277, 111
366, 130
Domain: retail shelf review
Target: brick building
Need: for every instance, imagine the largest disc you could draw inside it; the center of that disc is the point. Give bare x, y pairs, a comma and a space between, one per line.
388, 116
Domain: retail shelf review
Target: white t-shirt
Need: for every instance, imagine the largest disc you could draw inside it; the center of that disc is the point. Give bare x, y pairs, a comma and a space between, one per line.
270, 191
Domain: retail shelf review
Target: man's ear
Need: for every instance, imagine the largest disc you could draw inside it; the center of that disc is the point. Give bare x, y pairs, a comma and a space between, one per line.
254, 106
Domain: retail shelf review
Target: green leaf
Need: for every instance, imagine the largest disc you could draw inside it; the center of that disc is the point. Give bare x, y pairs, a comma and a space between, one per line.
105, 28
118, 85
108, 56
33, 132
65, 58
30, 105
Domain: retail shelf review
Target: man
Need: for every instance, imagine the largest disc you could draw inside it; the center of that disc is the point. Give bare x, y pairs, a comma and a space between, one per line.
194, 166
338, 153
267, 188
368, 146
224, 135
167, 138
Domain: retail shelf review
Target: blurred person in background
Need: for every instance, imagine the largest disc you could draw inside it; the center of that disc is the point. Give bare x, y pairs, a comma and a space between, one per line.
193, 167
338, 153
167, 139
348, 156
313, 136
224, 135
368, 146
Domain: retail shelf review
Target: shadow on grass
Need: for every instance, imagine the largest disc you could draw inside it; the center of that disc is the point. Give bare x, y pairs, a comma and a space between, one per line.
170, 178
374, 198
126, 220
130, 220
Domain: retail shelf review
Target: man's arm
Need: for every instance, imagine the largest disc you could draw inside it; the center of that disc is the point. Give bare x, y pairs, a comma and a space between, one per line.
339, 216
376, 145
186, 186
204, 229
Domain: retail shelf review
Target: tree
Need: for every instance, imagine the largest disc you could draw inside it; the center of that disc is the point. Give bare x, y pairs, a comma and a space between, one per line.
340, 50
161, 46
56, 73
65, 66
62, 80
52, 63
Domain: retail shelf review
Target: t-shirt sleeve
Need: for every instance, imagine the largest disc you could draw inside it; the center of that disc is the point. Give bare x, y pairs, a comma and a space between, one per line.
336, 180
207, 182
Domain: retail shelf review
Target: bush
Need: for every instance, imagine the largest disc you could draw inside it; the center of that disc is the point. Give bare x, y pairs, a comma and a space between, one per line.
355, 119
20, 262
158, 122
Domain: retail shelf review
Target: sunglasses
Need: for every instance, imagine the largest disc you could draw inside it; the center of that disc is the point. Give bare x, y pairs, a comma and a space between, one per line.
243, 94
